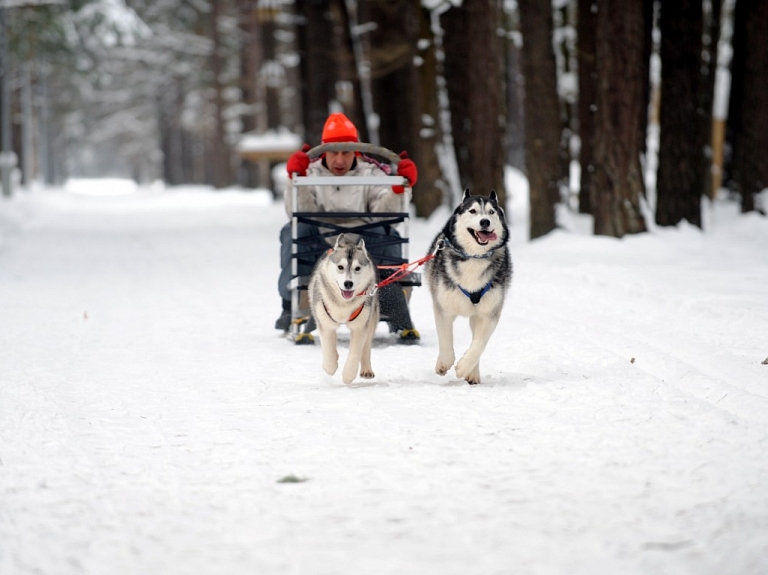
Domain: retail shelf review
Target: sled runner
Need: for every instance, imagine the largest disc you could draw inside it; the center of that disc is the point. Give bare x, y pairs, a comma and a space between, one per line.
306, 250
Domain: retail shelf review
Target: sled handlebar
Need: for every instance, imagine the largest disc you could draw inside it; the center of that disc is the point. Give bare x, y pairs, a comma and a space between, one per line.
386, 153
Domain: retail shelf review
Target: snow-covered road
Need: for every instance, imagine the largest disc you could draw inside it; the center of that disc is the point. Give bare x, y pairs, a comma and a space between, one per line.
150, 413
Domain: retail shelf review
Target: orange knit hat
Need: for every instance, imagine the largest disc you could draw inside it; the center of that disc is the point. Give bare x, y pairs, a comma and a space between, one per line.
338, 128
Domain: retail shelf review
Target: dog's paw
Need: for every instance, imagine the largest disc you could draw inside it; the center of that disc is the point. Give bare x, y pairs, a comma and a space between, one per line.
349, 372
367, 374
468, 372
441, 368
443, 364
330, 368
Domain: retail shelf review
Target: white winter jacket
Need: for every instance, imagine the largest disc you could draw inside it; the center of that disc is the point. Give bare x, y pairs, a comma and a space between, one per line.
351, 198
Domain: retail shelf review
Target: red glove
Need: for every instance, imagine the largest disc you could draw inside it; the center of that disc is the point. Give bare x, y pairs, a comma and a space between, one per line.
407, 169
298, 162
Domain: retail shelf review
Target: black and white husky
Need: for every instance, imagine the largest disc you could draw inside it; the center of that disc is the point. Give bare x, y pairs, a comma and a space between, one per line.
469, 276
342, 291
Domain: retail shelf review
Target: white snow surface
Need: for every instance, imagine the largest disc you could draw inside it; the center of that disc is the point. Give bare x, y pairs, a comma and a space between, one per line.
150, 412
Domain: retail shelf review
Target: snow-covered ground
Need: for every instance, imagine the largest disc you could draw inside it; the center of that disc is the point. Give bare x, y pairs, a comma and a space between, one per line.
150, 414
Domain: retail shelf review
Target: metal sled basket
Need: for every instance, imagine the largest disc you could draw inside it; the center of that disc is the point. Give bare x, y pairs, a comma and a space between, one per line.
332, 224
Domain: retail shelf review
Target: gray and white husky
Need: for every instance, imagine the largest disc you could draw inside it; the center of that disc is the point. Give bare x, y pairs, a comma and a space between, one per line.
469, 276
342, 291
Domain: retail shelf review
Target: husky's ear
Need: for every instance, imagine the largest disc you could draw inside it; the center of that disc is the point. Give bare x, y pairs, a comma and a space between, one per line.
340, 241
466, 194
361, 243
495, 199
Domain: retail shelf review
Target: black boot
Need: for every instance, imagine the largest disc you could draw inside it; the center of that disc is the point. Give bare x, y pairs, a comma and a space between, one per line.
394, 309
284, 321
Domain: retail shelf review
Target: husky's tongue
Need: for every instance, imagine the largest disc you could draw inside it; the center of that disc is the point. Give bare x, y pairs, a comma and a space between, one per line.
485, 237
347, 293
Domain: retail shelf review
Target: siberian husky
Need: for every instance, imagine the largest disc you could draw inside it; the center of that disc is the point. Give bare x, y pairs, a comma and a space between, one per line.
342, 290
469, 276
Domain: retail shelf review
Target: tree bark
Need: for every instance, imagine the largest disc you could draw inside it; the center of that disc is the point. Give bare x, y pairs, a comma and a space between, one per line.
473, 74
680, 180
317, 69
249, 60
617, 182
587, 20
712, 37
542, 115
220, 160
750, 145
405, 95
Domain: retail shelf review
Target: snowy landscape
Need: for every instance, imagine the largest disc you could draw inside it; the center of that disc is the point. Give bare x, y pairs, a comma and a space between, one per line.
153, 421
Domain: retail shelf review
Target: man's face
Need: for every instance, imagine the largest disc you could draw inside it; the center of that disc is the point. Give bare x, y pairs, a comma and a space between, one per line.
339, 162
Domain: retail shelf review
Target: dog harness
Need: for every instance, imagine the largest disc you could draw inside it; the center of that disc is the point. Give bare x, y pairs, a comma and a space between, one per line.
353, 315
475, 296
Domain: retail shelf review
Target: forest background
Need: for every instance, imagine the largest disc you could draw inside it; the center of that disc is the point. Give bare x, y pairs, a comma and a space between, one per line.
568, 91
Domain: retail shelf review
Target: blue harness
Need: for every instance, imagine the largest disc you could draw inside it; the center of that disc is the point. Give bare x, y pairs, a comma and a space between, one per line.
475, 296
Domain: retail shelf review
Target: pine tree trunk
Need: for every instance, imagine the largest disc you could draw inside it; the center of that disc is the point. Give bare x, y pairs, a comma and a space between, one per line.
429, 193
587, 20
219, 158
750, 170
473, 75
542, 115
712, 27
405, 94
617, 182
738, 66
457, 60
680, 180
317, 69
249, 56
648, 27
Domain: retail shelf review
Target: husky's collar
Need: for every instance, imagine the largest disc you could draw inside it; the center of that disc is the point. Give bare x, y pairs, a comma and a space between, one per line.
475, 296
447, 243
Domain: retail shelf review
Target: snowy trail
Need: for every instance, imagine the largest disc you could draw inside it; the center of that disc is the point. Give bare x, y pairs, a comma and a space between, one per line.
148, 410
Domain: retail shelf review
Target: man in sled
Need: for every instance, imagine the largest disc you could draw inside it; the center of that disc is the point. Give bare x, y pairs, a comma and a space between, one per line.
356, 198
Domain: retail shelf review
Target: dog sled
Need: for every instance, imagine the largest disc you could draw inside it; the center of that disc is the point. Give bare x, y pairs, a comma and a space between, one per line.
332, 224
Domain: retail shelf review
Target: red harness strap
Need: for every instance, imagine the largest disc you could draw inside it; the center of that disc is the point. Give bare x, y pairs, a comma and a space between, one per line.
356, 313
352, 317
403, 269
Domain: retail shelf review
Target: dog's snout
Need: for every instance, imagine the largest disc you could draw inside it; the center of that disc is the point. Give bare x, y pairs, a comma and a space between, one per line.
348, 284
485, 222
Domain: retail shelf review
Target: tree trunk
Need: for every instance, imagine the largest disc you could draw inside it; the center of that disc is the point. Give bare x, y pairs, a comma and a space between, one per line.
709, 66
428, 195
249, 58
750, 168
617, 182
348, 69
587, 20
221, 171
515, 100
457, 61
542, 116
680, 181
648, 27
473, 73
405, 94
317, 69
